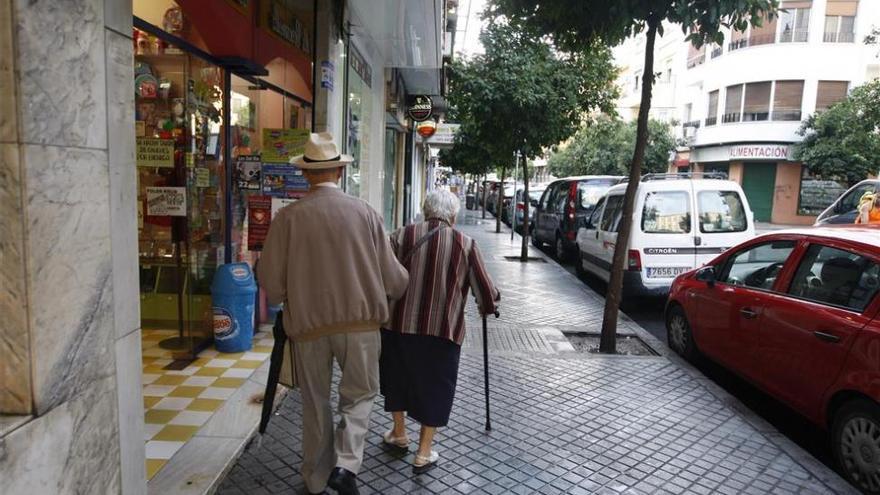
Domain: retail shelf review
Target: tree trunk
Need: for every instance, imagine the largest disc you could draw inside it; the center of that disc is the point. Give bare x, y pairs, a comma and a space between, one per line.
608, 340
483, 201
500, 201
524, 250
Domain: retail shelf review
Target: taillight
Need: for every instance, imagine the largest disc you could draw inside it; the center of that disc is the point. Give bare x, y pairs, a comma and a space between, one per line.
634, 261
520, 207
572, 195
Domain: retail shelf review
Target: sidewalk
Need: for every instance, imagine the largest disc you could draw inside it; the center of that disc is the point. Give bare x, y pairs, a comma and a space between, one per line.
563, 422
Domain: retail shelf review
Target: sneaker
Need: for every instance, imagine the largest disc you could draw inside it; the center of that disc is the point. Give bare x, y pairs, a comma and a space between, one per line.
423, 464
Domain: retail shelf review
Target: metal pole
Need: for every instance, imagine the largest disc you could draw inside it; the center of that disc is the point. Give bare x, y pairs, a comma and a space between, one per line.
486, 372
513, 198
227, 162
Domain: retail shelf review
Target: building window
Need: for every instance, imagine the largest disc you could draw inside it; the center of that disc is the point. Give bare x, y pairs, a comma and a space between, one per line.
787, 100
829, 93
817, 193
696, 56
712, 112
733, 104
738, 39
764, 34
757, 101
840, 21
794, 22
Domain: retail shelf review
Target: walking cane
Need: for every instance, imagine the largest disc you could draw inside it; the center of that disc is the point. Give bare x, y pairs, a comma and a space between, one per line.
486, 369
275, 361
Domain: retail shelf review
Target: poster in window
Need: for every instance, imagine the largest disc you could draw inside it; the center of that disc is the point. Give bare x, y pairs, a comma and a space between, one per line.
283, 181
248, 172
259, 216
166, 201
155, 153
280, 145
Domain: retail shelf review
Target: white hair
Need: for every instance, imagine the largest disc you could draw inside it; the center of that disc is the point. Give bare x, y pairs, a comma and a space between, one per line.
441, 204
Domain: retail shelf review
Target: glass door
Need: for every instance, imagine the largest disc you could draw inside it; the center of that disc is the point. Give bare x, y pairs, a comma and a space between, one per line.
389, 189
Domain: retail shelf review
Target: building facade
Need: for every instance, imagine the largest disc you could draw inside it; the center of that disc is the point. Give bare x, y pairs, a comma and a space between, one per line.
145, 144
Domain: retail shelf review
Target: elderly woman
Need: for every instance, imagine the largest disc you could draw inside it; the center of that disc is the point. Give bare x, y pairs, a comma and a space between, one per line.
418, 366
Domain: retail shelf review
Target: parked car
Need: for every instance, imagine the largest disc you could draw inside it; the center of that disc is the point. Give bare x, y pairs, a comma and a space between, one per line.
680, 221
845, 209
796, 313
562, 208
535, 193
492, 198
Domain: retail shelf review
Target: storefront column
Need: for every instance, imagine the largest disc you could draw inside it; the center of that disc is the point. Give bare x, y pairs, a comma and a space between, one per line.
68, 146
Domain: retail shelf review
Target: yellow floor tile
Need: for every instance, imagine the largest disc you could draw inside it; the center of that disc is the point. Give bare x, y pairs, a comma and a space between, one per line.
186, 391
154, 370
228, 382
145, 360
247, 364
154, 465
230, 355
176, 433
200, 361
159, 416
262, 348
170, 380
210, 371
209, 405
150, 401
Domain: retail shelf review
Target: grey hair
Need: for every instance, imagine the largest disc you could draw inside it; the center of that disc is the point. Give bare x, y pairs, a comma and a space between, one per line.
441, 204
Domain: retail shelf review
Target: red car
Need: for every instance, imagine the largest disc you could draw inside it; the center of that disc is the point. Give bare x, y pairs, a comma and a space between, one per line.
796, 313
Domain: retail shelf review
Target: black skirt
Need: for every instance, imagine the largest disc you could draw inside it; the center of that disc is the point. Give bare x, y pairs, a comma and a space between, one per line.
417, 374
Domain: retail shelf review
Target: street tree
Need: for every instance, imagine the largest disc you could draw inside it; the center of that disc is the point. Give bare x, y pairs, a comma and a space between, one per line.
468, 156
603, 146
843, 142
577, 25
526, 96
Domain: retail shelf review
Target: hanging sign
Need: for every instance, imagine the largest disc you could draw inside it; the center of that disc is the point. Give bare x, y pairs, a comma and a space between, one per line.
259, 216
166, 201
155, 153
421, 108
247, 172
280, 145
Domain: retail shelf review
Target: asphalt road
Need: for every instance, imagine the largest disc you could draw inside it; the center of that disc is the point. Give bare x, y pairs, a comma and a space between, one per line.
648, 312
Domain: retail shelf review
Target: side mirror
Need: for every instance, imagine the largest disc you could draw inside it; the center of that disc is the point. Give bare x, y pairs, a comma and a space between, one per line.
534, 203
706, 274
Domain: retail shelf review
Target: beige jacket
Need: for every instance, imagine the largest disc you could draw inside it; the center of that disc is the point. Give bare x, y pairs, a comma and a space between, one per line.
328, 259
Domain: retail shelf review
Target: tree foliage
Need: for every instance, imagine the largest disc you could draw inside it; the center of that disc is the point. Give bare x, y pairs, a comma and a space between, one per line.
843, 142
604, 146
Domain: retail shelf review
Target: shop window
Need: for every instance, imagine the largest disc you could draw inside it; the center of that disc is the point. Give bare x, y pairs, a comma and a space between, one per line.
787, 100
829, 93
757, 101
840, 21
712, 111
733, 104
794, 21
358, 129
817, 193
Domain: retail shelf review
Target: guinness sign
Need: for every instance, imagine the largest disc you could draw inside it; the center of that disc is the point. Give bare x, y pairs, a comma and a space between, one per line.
421, 108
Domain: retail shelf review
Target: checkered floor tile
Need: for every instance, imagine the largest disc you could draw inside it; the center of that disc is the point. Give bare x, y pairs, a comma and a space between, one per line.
178, 402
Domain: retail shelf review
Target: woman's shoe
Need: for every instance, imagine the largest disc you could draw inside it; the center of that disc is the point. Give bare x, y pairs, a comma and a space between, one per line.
398, 443
423, 464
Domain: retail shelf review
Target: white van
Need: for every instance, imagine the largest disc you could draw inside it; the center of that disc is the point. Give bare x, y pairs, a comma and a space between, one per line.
680, 222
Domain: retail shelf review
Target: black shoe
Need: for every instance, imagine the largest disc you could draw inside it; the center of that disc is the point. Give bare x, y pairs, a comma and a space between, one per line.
343, 481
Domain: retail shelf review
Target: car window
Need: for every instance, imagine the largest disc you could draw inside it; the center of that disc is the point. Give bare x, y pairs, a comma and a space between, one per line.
611, 215
666, 212
545, 200
833, 276
721, 211
597, 213
550, 206
591, 191
757, 266
562, 196
850, 202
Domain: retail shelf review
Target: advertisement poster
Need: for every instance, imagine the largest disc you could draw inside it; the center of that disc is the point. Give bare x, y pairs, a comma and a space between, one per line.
166, 201
247, 172
278, 203
155, 152
203, 177
280, 145
259, 216
283, 181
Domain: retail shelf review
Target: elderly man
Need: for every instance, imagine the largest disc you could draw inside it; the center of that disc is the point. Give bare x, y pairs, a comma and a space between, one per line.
328, 259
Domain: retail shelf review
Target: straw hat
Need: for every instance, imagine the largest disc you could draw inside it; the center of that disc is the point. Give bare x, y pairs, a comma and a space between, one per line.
321, 153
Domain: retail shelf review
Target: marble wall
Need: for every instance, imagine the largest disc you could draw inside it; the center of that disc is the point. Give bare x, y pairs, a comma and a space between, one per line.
70, 349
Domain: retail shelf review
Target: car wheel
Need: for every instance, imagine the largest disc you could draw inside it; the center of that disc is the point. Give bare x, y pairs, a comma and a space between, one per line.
855, 439
535, 241
559, 249
678, 333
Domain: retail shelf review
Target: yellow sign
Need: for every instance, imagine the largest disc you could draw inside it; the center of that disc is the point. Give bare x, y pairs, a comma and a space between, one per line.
155, 153
280, 145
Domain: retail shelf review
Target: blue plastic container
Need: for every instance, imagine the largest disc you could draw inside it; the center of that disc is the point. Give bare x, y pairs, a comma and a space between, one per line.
232, 294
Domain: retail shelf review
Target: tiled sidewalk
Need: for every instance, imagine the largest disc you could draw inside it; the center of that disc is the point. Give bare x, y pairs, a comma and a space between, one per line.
563, 422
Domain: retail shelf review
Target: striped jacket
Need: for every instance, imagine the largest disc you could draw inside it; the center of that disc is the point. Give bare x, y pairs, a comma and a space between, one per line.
440, 273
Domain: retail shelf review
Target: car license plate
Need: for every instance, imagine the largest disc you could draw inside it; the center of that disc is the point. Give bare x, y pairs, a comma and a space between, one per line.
666, 271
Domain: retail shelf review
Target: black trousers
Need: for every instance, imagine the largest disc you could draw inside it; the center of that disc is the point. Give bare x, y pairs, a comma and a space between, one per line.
418, 374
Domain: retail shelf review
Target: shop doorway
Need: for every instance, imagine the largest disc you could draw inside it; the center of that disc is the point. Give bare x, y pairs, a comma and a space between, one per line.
759, 181
389, 205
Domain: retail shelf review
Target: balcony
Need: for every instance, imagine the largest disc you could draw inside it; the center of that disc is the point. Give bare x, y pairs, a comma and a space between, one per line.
787, 115
835, 37
717, 51
794, 36
755, 40
696, 60
711, 121
691, 123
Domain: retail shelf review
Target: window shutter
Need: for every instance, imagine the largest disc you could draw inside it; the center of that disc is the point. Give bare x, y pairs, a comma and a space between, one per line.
787, 101
829, 93
797, 4
842, 7
757, 102
733, 103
